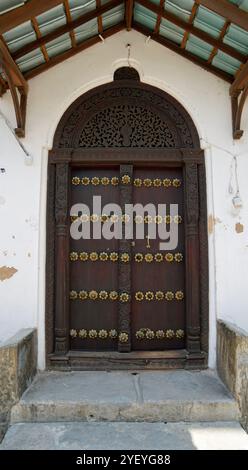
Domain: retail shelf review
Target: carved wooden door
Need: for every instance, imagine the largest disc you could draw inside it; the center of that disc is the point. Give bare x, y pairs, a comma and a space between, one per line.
127, 294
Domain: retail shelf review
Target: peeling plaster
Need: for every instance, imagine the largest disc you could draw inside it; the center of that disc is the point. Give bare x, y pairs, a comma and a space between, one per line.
212, 221
7, 273
239, 227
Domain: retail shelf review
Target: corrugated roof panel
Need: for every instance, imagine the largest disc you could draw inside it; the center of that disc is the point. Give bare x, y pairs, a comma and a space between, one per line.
7, 5
209, 22
144, 16
80, 7
113, 17
20, 36
198, 47
31, 60
242, 4
226, 63
51, 20
86, 31
171, 31
237, 38
58, 45
180, 8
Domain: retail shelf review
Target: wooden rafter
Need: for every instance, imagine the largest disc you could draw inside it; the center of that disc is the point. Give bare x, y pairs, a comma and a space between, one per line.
3, 86
38, 35
221, 37
17, 85
159, 17
69, 19
71, 52
241, 80
193, 30
99, 18
186, 54
22, 14
129, 6
191, 20
66, 28
229, 11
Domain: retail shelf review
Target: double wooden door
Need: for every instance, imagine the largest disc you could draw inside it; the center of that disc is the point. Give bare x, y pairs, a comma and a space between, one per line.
127, 294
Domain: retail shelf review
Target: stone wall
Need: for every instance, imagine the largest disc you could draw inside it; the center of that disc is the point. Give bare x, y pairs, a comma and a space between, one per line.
18, 362
232, 363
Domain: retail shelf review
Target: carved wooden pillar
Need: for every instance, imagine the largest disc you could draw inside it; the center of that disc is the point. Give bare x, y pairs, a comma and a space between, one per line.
192, 258
61, 254
124, 344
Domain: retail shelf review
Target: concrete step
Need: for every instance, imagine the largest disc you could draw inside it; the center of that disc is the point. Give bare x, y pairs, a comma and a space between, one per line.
125, 436
170, 396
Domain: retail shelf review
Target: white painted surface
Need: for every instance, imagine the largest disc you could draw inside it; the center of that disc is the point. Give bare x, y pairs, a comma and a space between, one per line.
23, 188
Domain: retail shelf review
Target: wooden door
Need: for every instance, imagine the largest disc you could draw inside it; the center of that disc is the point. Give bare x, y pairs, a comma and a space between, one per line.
127, 294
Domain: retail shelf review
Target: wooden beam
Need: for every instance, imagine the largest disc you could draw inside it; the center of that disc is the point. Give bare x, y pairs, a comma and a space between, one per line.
69, 19
241, 80
129, 5
238, 100
231, 12
66, 28
3, 86
15, 72
221, 37
38, 35
19, 15
186, 54
159, 17
99, 18
193, 30
81, 47
191, 20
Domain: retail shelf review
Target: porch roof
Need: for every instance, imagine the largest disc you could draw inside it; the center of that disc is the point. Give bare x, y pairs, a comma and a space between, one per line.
36, 35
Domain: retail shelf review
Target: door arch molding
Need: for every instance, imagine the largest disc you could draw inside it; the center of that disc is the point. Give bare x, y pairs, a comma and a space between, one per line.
121, 122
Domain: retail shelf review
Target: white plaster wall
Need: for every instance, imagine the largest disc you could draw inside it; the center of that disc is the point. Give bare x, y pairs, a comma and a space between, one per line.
23, 188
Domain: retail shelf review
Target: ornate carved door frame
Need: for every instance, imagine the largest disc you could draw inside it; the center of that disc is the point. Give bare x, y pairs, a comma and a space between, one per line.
121, 123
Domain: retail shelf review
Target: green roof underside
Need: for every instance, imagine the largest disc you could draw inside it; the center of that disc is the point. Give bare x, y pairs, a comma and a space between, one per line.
205, 20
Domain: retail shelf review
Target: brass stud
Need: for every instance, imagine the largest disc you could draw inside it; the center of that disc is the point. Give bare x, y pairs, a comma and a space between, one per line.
73, 333
124, 297
95, 180
139, 296
169, 334
103, 334
140, 334
138, 219
105, 181
179, 295
104, 218
148, 219
158, 257
125, 257
149, 296
178, 219
147, 182
150, 334
169, 296
158, 219
168, 219
167, 182
83, 334
137, 182
93, 295
73, 295
83, 295
138, 257
113, 334
94, 218
113, 295
176, 183
83, 256
85, 181
113, 256
159, 295
157, 182
160, 334
103, 295
93, 256
84, 218
148, 257
74, 218
123, 337
125, 218
93, 334
114, 218
179, 334
75, 181
169, 257
103, 256
126, 179
178, 257
73, 256
114, 181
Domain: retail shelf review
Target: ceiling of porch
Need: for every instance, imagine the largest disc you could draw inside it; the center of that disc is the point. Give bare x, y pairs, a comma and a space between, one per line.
36, 35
